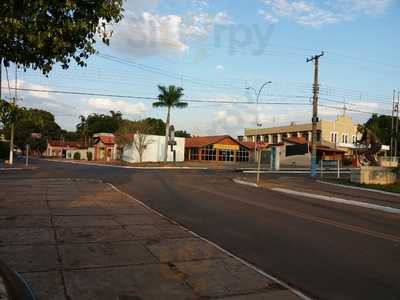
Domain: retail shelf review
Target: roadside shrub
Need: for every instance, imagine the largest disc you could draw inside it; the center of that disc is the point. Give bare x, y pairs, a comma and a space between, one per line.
89, 156
347, 161
4, 150
396, 170
77, 156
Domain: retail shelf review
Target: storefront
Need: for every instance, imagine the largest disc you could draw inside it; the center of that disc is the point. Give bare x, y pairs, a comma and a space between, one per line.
216, 148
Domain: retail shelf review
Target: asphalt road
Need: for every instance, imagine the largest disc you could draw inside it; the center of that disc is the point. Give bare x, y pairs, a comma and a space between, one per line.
327, 250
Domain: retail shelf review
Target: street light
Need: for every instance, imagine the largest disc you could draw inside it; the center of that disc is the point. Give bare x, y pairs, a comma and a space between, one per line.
258, 93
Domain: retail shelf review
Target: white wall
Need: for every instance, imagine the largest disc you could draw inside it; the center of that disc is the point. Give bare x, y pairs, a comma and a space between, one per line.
155, 151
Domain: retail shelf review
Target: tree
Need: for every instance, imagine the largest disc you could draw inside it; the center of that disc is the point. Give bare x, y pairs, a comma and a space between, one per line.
96, 123
169, 97
7, 113
136, 133
156, 126
182, 134
381, 126
37, 34
30, 121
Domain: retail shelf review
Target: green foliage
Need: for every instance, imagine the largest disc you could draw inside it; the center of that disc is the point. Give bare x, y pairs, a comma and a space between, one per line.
170, 97
89, 156
156, 126
4, 150
37, 34
30, 121
70, 135
381, 126
182, 134
99, 123
77, 156
7, 112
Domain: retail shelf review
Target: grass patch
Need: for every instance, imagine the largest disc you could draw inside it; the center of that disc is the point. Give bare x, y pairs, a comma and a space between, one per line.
393, 188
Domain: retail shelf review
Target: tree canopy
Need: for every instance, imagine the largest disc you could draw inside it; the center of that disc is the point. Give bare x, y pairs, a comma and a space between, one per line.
96, 123
37, 34
381, 126
170, 97
30, 121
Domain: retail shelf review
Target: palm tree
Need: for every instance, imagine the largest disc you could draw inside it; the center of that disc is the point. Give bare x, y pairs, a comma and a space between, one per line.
169, 97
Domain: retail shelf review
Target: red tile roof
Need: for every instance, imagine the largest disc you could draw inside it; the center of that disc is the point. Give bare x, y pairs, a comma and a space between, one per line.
203, 141
60, 143
296, 140
105, 139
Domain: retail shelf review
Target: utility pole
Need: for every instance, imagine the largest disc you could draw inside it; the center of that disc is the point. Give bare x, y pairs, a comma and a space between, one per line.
315, 59
11, 158
392, 129
397, 124
1, 74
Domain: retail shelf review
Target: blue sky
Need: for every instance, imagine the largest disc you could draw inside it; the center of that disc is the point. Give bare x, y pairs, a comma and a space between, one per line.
215, 49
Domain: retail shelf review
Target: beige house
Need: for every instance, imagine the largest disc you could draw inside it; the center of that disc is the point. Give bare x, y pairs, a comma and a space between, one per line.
340, 133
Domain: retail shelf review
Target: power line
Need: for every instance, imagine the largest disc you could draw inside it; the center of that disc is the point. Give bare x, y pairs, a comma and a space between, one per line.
153, 98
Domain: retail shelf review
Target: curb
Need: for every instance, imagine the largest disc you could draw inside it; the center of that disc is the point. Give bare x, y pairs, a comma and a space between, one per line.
386, 209
359, 188
243, 182
249, 265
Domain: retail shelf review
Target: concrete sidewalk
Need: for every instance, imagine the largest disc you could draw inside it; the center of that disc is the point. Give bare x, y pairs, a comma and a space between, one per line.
83, 239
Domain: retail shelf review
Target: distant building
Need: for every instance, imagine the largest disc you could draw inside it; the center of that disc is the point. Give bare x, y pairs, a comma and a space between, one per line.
338, 134
217, 148
59, 148
105, 147
154, 150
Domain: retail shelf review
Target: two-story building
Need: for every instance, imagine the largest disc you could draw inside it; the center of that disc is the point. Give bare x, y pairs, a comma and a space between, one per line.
338, 134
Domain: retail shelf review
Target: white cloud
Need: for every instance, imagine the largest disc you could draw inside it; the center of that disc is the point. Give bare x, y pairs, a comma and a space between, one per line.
26, 85
146, 33
220, 67
313, 13
149, 34
106, 104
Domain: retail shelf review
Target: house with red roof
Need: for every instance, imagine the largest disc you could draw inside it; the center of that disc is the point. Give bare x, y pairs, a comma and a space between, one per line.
105, 147
59, 148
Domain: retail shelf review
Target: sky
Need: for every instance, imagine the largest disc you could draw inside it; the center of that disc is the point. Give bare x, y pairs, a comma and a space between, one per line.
217, 49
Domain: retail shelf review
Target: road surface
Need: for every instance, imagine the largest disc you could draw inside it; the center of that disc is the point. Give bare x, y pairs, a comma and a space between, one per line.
327, 250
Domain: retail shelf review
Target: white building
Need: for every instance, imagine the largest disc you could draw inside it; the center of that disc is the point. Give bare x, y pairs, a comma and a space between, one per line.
154, 151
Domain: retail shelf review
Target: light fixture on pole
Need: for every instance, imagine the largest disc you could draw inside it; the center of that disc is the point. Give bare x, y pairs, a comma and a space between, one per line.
258, 93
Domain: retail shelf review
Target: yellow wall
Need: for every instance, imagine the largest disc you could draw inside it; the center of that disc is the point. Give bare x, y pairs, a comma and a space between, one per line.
342, 125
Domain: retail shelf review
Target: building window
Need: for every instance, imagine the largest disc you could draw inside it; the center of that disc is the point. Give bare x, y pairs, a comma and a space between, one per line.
258, 138
209, 153
334, 137
354, 139
242, 155
226, 155
194, 154
344, 138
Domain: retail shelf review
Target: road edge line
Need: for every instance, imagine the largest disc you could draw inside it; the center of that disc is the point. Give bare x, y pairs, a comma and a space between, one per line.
124, 167
359, 188
249, 265
366, 205
244, 182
